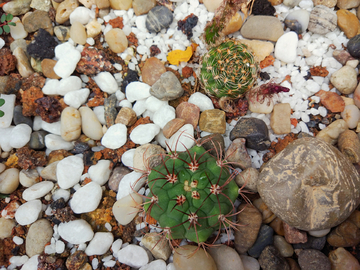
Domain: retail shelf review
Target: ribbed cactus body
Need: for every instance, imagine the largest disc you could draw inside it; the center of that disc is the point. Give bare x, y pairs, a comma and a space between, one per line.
228, 70
189, 192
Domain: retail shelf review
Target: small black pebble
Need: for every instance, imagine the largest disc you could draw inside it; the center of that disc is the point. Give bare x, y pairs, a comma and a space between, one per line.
43, 45
307, 76
131, 76
311, 124
264, 76
80, 147
263, 7
58, 204
187, 25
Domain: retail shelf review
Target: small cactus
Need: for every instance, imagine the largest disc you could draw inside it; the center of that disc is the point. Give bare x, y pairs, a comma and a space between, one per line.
228, 70
191, 194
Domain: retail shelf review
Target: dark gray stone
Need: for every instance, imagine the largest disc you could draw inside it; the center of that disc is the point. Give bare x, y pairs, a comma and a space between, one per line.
310, 185
294, 25
312, 259
255, 132
158, 18
167, 87
353, 46
19, 118
37, 140
264, 239
270, 259
214, 143
312, 243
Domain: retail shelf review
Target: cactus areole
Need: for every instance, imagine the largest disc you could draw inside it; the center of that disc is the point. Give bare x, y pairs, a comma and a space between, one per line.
191, 194
228, 70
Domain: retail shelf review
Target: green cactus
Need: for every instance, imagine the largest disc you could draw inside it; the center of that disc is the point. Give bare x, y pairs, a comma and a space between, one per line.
228, 70
191, 194
2, 102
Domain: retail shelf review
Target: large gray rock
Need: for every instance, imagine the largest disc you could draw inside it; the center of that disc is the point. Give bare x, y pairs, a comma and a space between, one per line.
310, 185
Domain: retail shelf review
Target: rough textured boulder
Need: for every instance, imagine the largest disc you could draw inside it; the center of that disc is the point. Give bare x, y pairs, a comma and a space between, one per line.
310, 185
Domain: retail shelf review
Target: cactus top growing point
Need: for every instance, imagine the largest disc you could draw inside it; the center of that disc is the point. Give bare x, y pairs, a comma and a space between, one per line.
191, 194
228, 70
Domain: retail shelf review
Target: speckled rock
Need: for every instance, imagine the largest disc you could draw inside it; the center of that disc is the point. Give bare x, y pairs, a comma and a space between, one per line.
293, 235
262, 27
157, 245
158, 18
271, 259
248, 179
143, 6
167, 87
147, 156
117, 174
255, 132
313, 259
189, 112
214, 143
126, 116
322, 20
298, 198
238, 155
172, 126
36, 20
327, 3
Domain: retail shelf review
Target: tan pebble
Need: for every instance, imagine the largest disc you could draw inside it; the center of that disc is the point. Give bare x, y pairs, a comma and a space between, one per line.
347, 22
6, 226
172, 126
55, 4
143, 6
147, 156
212, 5
267, 215
65, 9
49, 172
234, 24
93, 28
90, 124
126, 116
36, 65
62, 32
331, 133
116, 39
327, 3
351, 115
38, 236
261, 49
121, 4
347, 4
247, 179
78, 33
47, 66
23, 63
275, 2
280, 118
28, 178
126, 208
341, 259
277, 225
185, 257
70, 124
348, 101
349, 145
9, 181
88, 3
157, 245
101, 4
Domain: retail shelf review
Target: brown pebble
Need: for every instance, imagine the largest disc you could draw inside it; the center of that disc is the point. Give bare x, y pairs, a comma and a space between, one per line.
76, 260
47, 66
126, 116
331, 100
172, 126
349, 145
152, 70
189, 112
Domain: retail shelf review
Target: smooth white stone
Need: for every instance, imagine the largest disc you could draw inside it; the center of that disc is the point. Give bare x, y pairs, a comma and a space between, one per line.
100, 244
28, 212
18, 31
37, 190
86, 198
126, 209
81, 14
136, 91
68, 57
133, 255
59, 247
285, 48
3, 166
153, 104
202, 101
144, 133
5, 138
54, 128
63, 86
76, 98
8, 109
119, 95
76, 231
61, 193
319, 233
55, 142
106, 82
100, 172
70, 127
128, 158
28, 177
2, 43
125, 103
115, 136
69, 171
130, 183
155, 265
351, 115
115, 247
20, 135
164, 115
100, 114
9, 180
31, 264
90, 125
182, 139
37, 123
300, 15
139, 107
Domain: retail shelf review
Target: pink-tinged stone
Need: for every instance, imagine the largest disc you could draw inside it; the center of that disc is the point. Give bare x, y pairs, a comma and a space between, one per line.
152, 70
332, 101
293, 235
189, 112
172, 126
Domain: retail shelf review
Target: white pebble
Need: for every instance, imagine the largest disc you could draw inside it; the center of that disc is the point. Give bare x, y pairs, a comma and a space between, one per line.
37, 190
128, 158
351, 115
119, 95
100, 244
54, 128
125, 103
59, 247
76, 98
8, 109
76, 231
139, 107
155, 265
28, 212
100, 114
115, 136
136, 91
202, 101
95, 263
86, 198
153, 104
20, 135
144, 133
126, 209
31, 264
55, 142
18, 31
116, 245
322, 111
164, 115
69, 171
2, 43
133, 255
68, 58
100, 172
82, 15
62, 87
18, 240
182, 139
285, 47
106, 82
130, 183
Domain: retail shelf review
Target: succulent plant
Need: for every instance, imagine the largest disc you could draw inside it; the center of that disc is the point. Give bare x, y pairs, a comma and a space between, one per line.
228, 70
191, 194
2, 102
5, 21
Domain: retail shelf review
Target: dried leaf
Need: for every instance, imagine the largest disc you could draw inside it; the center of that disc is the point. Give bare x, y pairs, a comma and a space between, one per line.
177, 56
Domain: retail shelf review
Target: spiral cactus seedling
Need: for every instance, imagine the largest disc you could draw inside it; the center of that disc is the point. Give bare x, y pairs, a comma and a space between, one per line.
191, 194
228, 70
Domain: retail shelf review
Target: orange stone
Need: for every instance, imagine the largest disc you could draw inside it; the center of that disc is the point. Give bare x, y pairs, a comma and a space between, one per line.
347, 22
332, 101
47, 66
152, 70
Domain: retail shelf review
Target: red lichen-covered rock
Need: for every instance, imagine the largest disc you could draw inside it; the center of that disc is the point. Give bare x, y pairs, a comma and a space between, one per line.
28, 98
8, 61
30, 159
93, 61
331, 100
49, 108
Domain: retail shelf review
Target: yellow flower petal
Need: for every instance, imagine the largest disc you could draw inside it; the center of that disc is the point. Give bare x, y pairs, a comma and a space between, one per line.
177, 56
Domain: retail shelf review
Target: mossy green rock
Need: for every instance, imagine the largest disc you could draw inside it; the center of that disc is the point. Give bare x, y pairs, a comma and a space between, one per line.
310, 185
